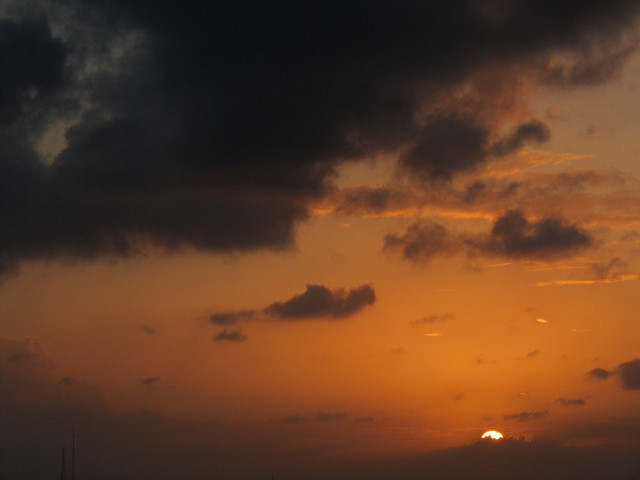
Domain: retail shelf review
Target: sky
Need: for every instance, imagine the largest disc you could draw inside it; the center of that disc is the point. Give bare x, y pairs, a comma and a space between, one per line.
320, 239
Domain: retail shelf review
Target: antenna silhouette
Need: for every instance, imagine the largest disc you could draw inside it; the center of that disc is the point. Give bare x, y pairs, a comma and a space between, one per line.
73, 453
63, 473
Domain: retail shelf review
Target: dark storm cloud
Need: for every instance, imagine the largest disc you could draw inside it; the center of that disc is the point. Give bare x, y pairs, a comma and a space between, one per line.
231, 335
318, 301
512, 235
230, 318
526, 416
630, 374
599, 374
32, 73
213, 126
568, 402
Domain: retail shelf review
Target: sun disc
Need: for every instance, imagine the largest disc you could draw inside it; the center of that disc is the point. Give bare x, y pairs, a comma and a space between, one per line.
492, 434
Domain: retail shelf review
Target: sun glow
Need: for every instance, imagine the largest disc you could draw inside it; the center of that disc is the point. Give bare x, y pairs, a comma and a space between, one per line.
492, 434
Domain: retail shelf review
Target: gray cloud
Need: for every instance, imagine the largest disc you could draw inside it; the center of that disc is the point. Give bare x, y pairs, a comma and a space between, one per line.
533, 354
630, 374
526, 416
231, 335
318, 301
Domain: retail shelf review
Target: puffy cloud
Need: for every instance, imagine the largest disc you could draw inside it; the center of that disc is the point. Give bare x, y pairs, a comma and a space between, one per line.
526, 416
318, 301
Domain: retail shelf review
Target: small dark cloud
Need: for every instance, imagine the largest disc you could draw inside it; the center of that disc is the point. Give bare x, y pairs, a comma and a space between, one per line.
526, 416
630, 374
599, 374
603, 270
329, 417
67, 382
433, 318
367, 199
459, 396
567, 402
318, 301
231, 335
533, 131
367, 419
455, 143
149, 330
421, 242
230, 318
20, 357
150, 382
533, 354
398, 351
513, 235
478, 359
293, 419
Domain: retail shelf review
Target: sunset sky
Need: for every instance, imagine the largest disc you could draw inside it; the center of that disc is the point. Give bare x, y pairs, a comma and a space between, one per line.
328, 239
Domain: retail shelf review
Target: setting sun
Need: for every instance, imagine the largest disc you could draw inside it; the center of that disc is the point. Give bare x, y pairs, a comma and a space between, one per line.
492, 434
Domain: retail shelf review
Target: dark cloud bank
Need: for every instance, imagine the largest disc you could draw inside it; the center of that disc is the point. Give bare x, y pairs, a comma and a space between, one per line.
213, 126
